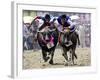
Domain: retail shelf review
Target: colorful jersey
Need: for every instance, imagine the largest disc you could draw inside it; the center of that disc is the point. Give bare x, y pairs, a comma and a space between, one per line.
42, 22
68, 23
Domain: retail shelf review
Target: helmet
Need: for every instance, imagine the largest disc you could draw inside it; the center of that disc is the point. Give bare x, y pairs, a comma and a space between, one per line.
47, 16
63, 16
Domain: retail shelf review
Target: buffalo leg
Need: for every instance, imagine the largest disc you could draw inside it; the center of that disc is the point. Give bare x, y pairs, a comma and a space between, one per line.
73, 55
65, 56
44, 55
52, 54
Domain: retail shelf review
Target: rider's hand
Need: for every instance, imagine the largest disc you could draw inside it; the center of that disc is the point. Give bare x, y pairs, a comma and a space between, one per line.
67, 29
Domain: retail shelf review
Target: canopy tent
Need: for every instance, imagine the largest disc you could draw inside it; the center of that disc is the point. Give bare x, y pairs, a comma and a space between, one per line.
28, 19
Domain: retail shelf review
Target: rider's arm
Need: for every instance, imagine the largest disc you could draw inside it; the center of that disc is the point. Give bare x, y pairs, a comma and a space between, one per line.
59, 20
71, 23
40, 21
39, 17
36, 19
56, 23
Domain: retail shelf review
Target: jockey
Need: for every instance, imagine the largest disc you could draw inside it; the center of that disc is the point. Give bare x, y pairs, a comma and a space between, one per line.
43, 21
43, 24
66, 25
65, 22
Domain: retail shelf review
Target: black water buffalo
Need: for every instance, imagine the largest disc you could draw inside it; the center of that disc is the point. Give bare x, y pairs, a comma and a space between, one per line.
74, 38
47, 40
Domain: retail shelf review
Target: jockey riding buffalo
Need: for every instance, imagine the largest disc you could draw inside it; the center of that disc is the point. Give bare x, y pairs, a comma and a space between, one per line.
47, 37
68, 37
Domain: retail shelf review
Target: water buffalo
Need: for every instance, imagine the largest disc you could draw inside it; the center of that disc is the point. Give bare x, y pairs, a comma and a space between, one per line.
71, 47
47, 40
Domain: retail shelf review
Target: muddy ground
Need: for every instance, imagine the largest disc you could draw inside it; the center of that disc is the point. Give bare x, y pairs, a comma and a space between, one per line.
33, 59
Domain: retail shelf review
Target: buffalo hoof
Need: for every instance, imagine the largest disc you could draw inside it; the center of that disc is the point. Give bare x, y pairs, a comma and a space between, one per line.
46, 59
66, 64
43, 64
62, 54
51, 62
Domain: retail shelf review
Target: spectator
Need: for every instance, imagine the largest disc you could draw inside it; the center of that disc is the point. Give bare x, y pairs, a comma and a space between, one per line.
27, 37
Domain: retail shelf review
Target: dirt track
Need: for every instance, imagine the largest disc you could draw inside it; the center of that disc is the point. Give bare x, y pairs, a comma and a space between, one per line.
33, 60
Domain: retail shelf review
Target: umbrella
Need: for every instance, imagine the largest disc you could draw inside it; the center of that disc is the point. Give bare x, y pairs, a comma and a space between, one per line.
28, 19
74, 17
